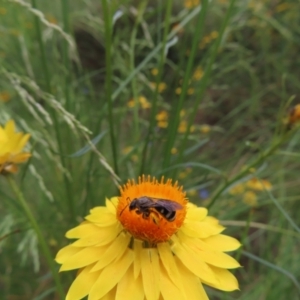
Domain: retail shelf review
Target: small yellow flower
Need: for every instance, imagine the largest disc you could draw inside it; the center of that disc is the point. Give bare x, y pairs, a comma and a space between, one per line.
178, 91
174, 150
198, 73
127, 150
161, 86
258, 185
250, 198
11, 147
191, 3
144, 102
182, 126
162, 116
148, 243
205, 128
53, 242
5, 96
162, 124
154, 71
214, 34
237, 189
131, 103
190, 91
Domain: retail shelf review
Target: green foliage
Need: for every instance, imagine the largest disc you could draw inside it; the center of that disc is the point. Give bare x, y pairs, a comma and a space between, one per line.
111, 90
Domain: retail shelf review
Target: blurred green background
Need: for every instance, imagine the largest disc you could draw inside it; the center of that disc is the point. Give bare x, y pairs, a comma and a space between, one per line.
198, 92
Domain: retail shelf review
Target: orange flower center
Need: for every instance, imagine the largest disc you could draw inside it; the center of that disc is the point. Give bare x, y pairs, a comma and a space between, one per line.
151, 210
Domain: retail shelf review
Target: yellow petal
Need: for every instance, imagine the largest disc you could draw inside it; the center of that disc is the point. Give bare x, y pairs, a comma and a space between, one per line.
83, 230
111, 295
98, 210
194, 263
82, 285
115, 201
205, 253
102, 219
110, 206
129, 287
201, 230
226, 280
137, 248
4, 158
113, 251
211, 220
168, 289
150, 272
103, 237
65, 253
83, 258
167, 260
111, 276
22, 142
196, 213
222, 242
193, 287
10, 128
21, 157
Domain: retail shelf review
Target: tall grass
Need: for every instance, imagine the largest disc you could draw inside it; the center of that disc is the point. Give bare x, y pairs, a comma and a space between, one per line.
111, 90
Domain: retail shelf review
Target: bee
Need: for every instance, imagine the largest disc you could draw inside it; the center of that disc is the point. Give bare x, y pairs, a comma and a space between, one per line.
145, 206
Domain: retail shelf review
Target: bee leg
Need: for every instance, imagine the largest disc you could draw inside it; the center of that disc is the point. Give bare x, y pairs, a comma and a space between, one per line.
155, 218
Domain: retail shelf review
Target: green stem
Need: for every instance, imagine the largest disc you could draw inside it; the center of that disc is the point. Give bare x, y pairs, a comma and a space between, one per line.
65, 14
204, 81
173, 127
52, 112
136, 116
167, 21
39, 234
107, 16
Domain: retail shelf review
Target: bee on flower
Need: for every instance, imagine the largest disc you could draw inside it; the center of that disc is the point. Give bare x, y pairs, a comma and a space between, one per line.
148, 243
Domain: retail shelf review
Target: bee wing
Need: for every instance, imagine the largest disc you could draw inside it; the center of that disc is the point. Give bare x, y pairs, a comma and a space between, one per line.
167, 204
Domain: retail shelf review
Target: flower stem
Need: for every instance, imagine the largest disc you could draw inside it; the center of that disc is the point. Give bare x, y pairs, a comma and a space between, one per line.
108, 27
39, 234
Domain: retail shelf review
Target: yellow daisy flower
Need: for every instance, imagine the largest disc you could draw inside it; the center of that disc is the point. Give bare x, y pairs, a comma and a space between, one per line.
149, 243
11, 147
